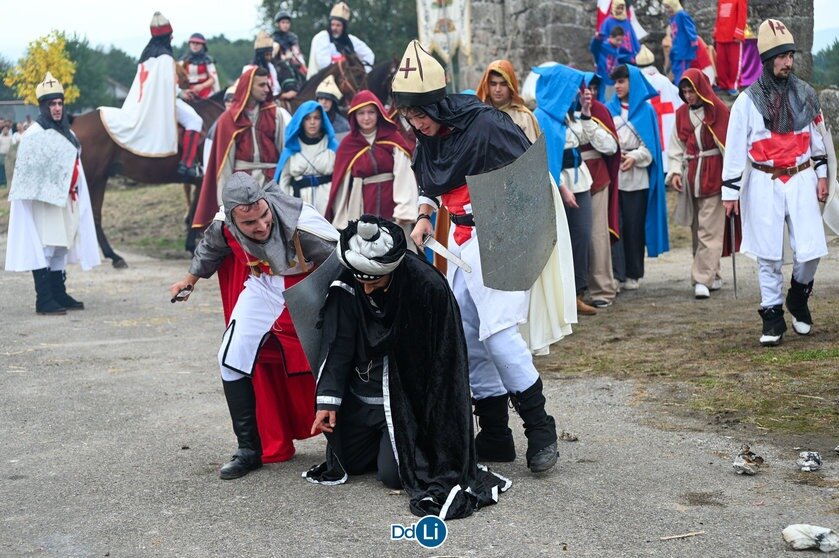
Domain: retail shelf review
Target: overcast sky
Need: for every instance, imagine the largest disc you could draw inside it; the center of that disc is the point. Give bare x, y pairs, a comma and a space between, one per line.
125, 24
122, 24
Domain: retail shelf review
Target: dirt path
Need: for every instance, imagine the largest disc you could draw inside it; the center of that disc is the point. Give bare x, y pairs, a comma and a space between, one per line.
115, 425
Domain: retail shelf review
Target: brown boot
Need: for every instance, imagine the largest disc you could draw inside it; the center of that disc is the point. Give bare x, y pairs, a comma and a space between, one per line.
583, 308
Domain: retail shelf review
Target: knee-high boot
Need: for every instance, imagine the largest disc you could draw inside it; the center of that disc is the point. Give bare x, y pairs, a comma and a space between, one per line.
45, 302
539, 427
494, 442
59, 291
242, 404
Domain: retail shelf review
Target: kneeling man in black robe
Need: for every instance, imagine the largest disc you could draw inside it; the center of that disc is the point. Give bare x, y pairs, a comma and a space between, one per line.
393, 393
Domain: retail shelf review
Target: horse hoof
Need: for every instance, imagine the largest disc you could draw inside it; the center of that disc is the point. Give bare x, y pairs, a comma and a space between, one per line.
119, 263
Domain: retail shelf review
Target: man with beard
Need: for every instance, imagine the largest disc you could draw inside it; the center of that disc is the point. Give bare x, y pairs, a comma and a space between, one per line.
248, 138
775, 136
393, 393
278, 240
333, 44
51, 221
459, 136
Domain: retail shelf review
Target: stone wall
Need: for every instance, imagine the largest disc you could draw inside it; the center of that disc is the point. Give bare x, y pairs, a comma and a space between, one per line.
529, 32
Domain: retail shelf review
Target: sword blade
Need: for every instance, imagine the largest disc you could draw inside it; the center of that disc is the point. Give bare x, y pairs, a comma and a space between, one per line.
731, 230
439, 249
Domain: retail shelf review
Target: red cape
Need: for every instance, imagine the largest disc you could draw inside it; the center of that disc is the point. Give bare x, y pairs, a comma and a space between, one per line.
354, 144
282, 379
603, 117
231, 123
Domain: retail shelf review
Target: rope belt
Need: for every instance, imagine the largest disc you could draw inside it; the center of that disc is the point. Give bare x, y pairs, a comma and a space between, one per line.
240, 165
778, 172
376, 178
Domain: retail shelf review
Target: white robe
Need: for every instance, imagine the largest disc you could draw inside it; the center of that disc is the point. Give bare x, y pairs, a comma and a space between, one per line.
668, 93
147, 125
322, 51
312, 160
764, 202
34, 225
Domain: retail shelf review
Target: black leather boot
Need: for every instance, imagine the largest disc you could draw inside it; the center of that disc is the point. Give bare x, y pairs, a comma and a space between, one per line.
59, 293
242, 404
774, 325
494, 442
797, 296
45, 303
539, 427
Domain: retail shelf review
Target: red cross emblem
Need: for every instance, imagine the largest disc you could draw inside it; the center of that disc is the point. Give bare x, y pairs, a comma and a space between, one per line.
661, 109
777, 27
780, 150
144, 75
408, 68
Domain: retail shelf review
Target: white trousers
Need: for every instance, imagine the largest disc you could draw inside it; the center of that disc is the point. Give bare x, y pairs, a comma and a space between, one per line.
187, 117
499, 364
771, 278
56, 257
255, 312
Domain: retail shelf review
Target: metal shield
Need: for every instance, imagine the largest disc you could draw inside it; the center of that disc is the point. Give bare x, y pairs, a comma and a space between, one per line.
516, 220
304, 302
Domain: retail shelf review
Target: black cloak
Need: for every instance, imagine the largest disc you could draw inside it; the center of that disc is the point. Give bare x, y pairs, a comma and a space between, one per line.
426, 388
482, 139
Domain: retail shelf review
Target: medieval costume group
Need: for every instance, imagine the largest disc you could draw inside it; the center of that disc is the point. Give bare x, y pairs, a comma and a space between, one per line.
390, 357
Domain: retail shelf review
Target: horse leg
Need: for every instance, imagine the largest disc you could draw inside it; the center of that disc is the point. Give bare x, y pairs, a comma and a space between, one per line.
97, 198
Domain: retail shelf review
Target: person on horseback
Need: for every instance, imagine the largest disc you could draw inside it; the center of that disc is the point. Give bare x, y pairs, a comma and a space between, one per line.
200, 68
335, 43
286, 43
51, 222
329, 96
143, 126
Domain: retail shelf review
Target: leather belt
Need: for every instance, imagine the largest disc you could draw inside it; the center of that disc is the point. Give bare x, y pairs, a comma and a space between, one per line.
467, 220
309, 181
778, 172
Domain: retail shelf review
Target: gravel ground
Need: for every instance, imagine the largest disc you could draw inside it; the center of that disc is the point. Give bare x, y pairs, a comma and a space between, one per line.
115, 425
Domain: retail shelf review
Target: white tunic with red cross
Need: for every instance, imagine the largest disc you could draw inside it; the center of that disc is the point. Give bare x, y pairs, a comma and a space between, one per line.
766, 203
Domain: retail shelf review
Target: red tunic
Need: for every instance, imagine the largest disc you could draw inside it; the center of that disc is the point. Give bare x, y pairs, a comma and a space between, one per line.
282, 379
198, 73
731, 21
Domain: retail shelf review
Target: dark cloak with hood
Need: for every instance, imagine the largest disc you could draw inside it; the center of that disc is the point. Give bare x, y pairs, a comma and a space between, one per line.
157, 46
343, 43
425, 387
478, 139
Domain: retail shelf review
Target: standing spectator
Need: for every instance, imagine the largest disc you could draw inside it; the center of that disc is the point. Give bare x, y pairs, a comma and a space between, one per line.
5, 145
307, 160
618, 18
499, 87
372, 172
643, 208
684, 37
696, 173
11, 156
729, 34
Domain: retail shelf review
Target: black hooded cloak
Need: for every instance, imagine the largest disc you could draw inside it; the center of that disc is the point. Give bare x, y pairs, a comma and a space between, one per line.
482, 139
425, 387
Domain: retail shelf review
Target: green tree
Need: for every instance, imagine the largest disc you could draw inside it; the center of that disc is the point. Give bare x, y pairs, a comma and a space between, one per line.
6, 92
385, 25
91, 75
120, 66
826, 65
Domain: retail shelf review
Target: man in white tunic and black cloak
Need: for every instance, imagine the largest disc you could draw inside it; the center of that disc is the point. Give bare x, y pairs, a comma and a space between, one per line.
393, 392
775, 136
